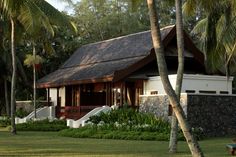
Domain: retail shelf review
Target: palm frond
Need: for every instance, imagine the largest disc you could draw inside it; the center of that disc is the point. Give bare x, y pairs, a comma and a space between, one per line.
189, 8
55, 16
200, 27
32, 18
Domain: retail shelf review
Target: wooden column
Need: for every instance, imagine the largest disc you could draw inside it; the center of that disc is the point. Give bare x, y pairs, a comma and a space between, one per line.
78, 95
112, 94
108, 94
48, 97
58, 108
58, 98
122, 94
125, 93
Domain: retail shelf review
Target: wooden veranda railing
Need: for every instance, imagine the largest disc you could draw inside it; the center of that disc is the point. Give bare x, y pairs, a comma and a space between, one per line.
73, 112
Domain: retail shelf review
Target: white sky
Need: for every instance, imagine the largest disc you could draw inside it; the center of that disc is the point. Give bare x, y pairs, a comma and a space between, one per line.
57, 4
62, 6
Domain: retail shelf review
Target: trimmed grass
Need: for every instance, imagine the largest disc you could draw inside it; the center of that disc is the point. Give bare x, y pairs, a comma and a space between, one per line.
50, 144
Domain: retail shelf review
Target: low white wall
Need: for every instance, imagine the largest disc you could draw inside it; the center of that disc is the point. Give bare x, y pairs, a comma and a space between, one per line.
196, 83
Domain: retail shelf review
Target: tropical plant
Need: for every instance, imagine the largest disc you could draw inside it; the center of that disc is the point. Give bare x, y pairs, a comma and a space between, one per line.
162, 68
180, 71
216, 32
33, 16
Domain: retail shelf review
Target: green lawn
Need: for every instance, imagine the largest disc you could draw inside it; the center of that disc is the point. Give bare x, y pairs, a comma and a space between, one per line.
49, 144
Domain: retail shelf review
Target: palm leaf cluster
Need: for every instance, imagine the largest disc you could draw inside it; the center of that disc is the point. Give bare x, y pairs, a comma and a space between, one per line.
216, 32
33, 18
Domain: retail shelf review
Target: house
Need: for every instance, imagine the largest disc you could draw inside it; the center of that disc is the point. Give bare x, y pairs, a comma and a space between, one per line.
115, 72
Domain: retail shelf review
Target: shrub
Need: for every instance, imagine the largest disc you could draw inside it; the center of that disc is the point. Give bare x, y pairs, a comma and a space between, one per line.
21, 113
43, 125
4, 122
124, 123
92, 131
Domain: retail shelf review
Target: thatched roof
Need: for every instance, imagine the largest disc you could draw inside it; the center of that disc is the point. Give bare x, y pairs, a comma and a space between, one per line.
100, 61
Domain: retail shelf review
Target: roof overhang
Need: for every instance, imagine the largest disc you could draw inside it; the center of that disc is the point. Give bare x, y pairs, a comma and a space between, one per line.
74, 82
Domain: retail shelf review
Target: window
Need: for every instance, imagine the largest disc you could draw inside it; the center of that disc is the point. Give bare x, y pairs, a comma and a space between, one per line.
154, 92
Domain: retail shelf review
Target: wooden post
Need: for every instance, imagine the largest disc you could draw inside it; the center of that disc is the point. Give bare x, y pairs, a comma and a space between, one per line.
121, 94
48, 97
108, 94
112, 94
58, 108
125, 93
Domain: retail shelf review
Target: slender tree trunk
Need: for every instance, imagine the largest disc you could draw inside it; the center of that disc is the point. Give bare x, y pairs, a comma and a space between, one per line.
6, 98
34, 77
159, 50
13, 81
22, 72
180, 72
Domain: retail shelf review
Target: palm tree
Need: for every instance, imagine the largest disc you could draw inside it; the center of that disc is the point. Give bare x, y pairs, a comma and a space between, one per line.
217, 32
32, 15
180, 71
162, 68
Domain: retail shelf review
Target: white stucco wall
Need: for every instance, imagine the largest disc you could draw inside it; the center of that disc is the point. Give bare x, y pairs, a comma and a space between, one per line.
197, 83
53, 95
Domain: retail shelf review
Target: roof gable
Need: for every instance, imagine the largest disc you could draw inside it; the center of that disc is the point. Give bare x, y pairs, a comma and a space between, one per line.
129, 46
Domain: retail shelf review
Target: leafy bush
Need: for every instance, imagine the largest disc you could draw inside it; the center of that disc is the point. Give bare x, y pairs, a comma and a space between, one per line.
198, 133
43, 125
21, 113
92, 131
124, 123
4, 122
128, 116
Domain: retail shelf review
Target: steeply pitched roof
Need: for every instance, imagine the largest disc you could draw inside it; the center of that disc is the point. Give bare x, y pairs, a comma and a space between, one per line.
98, 62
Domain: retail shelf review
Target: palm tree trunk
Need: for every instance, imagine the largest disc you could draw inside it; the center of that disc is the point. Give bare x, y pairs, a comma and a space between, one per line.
13, 81
34, 77
180, 71
22, 72
159, 50
6, 98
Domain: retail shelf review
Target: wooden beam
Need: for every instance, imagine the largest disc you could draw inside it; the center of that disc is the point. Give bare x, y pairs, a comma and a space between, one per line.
74, 82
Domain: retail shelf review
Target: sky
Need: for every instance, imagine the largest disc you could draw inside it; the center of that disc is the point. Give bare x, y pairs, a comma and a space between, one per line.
61, 6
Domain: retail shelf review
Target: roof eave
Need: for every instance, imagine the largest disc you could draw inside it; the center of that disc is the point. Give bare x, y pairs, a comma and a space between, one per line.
74, 82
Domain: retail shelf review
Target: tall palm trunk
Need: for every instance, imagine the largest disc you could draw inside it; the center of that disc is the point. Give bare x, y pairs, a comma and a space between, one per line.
34, 77
13, 81
159, 50
6, 97
180, 71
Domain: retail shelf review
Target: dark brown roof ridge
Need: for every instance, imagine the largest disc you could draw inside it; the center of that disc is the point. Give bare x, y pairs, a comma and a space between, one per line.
105, 61
124, 36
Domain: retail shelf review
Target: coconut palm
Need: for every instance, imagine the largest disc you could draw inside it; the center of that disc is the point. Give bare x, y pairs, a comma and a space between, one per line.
32, 15
180, 71
217, 32
162, 68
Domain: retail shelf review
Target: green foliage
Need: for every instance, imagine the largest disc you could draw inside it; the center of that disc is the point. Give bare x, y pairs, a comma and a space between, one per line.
124, 123
30, 60
5, 121
129, 117
198, 133
43, 125
128, 124
21, 113
93, 131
